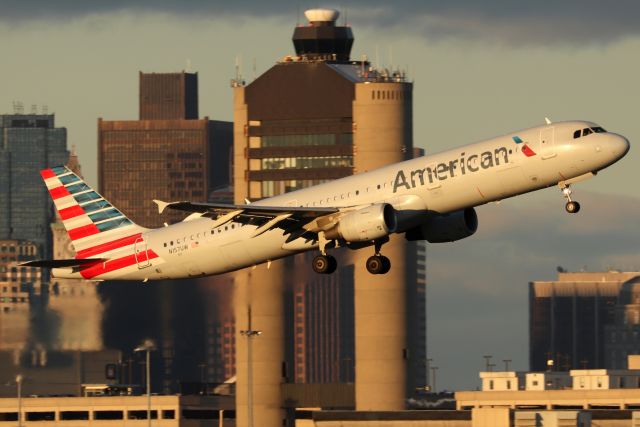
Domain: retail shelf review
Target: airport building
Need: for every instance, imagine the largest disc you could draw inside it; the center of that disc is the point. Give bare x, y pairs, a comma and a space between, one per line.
583, 320
107, 411
313, 117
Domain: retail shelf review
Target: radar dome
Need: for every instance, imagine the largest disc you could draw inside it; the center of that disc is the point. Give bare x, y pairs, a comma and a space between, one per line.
322, 15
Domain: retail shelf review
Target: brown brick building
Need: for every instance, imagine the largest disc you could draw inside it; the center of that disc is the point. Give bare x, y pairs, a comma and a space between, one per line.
169, 154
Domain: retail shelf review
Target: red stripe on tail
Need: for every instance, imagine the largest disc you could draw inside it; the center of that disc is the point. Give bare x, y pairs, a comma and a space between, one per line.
84, 231
116, 264
47, 173
109, 246
58, 192
70, 212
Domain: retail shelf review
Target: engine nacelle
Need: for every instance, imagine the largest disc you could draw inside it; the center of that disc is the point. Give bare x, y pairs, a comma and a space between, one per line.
446, 227
370, 223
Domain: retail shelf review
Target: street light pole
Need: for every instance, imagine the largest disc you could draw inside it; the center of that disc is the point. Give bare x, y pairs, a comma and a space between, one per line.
506, 364
427, 362
433, 376
487, 361
250, 334
147, 346
19, 379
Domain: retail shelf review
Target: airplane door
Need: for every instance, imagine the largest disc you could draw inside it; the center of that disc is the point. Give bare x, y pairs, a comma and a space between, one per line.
140, 253
547, 143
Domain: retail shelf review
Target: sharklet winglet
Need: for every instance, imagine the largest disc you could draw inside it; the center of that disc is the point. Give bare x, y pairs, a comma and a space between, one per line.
161, 205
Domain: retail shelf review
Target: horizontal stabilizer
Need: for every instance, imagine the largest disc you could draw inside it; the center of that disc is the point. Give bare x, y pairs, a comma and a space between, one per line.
61, 263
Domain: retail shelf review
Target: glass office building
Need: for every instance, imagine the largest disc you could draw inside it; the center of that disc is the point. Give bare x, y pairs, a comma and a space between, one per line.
28, 143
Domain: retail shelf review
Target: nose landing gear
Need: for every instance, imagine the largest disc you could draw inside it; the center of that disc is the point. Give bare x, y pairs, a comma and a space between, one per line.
571, 206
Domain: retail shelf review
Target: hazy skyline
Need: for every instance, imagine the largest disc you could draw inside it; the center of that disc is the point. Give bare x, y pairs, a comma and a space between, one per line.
480, 69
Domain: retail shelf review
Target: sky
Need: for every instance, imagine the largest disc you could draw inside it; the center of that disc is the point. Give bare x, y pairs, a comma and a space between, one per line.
480, 69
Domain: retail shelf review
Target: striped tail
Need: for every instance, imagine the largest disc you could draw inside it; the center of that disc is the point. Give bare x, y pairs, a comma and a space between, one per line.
95, 227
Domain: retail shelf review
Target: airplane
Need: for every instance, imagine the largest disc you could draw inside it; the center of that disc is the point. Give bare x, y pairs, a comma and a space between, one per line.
427, 198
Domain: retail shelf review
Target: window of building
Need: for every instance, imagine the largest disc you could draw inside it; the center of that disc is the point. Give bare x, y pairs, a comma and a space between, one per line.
8, 416
490, 384
108, 415
74, 415
168, 414
41, 416
199, 414
141, 415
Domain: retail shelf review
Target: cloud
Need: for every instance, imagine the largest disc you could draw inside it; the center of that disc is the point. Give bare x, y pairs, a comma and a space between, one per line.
539, 23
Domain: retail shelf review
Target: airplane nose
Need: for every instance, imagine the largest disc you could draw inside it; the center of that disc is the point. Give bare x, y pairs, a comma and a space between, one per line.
619, 146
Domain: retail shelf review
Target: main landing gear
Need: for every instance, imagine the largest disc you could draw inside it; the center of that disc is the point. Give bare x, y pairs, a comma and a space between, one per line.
571, 206
378, 264
326, 264
323, 263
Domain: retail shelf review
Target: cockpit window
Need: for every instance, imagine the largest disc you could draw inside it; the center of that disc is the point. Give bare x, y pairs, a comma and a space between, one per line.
588, 131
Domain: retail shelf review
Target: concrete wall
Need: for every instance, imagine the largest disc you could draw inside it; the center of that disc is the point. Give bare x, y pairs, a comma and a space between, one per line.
382, 135
263, 291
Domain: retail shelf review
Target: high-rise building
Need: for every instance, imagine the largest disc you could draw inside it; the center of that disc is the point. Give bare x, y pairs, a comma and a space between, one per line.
20, 288
622, 336
28, 144
168, 96
568, 318
311, 118
169, 154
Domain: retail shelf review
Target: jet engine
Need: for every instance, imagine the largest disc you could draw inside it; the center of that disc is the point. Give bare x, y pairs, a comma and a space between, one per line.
442, 228
370, 223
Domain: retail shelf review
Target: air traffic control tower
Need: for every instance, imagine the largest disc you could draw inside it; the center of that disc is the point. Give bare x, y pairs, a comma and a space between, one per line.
311, 118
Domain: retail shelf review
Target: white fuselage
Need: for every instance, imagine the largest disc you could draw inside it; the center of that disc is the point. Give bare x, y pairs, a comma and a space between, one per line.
445, 182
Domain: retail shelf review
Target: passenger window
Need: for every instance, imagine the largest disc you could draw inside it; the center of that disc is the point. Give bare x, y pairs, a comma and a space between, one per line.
357, 192
586, 132
576, 134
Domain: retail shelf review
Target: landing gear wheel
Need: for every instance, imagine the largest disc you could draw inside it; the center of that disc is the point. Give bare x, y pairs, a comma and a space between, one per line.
572, 207
386, 264
378, 264
324, 264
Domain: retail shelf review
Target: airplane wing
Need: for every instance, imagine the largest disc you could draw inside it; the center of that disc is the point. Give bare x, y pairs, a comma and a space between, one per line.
61, 263
247, 209
293, 219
